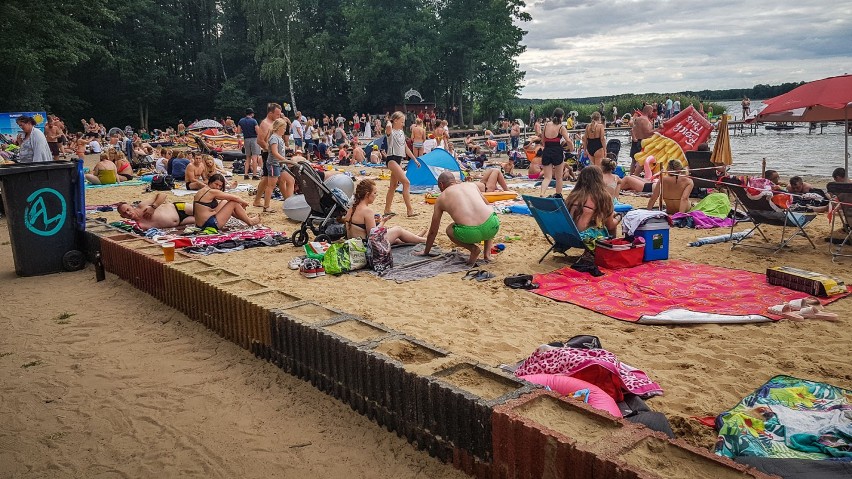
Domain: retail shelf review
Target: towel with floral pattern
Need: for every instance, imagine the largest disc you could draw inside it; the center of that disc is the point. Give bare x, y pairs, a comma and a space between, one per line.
789, 418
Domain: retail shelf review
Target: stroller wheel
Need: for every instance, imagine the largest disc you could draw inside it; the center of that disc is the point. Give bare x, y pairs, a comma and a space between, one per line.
321, 238
300, 238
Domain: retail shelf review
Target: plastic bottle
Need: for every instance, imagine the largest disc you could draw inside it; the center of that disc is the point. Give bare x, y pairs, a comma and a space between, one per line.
100, 274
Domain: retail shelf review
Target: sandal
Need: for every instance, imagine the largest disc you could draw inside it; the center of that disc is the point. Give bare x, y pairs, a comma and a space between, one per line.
785, 311
520, 281
802, 303
472, 274
816, 312
484, 276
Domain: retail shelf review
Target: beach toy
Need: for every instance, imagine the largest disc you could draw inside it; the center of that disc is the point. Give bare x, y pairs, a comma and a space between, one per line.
649, 167
512, 238
296, 208
567, 386
490, 197
342, 182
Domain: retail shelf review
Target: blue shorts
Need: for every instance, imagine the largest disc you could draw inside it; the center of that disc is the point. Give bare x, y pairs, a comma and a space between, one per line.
298, 141
272, 168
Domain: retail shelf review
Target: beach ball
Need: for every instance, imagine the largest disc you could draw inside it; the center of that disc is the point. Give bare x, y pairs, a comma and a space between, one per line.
343, 182
296, 208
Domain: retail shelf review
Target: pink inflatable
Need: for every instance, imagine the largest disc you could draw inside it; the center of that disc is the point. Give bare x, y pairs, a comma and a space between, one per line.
567, 386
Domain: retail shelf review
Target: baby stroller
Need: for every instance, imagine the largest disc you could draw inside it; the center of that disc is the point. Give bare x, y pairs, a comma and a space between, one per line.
326, 206
613, 146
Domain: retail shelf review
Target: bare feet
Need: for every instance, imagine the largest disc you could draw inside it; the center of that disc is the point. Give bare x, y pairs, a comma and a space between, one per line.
474, 254
411, 214
254, 220
423, 232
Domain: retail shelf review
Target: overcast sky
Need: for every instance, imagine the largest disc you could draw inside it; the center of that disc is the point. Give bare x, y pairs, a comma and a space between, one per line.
581, 48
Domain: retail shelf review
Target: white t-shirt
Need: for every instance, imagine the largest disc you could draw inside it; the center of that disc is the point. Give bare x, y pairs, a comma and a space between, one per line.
396, 145
95, 146
297, 129
429, 145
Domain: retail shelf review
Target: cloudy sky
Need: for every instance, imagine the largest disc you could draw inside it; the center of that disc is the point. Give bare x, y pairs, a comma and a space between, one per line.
580, 48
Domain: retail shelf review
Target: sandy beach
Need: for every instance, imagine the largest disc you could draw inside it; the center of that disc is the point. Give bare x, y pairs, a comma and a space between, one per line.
101, 380
703, 370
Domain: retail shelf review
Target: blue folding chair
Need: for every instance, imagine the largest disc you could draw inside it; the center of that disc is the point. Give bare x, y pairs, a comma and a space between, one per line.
556, 223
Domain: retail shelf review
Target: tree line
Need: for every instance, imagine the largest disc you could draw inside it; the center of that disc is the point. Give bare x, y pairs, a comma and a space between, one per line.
153, 62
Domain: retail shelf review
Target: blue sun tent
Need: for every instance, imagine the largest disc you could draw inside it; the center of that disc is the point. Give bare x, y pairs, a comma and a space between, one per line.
432, 165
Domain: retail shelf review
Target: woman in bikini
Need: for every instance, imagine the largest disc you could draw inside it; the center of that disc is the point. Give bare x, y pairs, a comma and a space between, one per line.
361, 218
610, 179
676, 187
553, 156
590, 205
121, 165
398, 151
594, 139
212, 207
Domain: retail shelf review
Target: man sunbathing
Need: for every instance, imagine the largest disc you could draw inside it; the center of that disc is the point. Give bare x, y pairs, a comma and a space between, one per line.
156, 213
474, 220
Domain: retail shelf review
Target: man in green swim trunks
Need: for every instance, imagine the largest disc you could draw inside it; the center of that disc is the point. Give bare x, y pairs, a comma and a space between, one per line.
473, 218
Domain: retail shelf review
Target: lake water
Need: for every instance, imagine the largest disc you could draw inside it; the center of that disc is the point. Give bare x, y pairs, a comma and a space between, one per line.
793, 152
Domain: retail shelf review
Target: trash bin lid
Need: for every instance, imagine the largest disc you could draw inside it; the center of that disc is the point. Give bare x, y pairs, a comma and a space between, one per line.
18, 168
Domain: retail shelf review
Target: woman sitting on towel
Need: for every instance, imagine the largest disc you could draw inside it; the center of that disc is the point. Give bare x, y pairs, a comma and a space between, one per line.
361, 219
676, 187
212, 207
590, 205
104, 172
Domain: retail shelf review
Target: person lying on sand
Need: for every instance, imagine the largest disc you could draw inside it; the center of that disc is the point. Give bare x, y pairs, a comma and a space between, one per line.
474, 220
156, 213
491, 178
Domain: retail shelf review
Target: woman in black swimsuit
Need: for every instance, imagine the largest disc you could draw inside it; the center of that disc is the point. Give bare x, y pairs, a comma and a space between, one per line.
594, 139
553, 156
213, 207
361, 218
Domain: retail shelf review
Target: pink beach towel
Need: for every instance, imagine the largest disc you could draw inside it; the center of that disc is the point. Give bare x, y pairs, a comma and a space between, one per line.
597, 366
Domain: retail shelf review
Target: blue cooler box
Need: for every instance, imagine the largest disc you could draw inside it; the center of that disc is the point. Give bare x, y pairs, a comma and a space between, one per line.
656, 234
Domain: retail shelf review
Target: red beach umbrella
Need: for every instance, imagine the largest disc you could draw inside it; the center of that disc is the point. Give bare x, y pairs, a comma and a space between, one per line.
829, 99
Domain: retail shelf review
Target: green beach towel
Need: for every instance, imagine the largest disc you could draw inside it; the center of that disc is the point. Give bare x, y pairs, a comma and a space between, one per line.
715, 204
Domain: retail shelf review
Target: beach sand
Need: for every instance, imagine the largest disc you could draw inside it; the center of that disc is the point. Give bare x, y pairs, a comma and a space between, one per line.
102, 380
703, 370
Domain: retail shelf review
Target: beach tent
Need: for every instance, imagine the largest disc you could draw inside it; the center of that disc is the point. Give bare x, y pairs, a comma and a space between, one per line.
432, 165
829, 99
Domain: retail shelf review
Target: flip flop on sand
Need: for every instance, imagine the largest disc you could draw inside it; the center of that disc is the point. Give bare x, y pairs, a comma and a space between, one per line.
472, 274
785, 311
816, 312
802, 303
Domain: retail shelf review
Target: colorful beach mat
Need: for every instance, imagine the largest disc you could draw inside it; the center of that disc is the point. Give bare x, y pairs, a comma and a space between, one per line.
789, 418
671, 292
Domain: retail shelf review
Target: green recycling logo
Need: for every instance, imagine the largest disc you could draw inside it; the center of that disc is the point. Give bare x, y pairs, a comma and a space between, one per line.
46, 212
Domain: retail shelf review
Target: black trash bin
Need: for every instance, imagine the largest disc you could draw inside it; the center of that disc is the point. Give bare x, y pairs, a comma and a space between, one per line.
45, 209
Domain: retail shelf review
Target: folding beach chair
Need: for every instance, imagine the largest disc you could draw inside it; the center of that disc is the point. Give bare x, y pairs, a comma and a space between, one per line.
842, 211
556, 223
701, 169
762, 211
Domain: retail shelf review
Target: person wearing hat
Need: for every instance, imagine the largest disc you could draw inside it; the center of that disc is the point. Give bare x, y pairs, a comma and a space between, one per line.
248, 127
34, 147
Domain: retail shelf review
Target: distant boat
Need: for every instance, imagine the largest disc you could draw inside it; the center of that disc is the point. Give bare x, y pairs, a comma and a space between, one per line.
780, 126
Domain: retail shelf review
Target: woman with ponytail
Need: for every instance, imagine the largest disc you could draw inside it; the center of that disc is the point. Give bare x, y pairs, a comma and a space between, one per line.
361, 219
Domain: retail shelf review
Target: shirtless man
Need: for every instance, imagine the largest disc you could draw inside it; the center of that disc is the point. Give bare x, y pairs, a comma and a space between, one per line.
474, 220
418, 136
273, 112
196, 173
154, 213
491, 178
642, 129
52, 132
